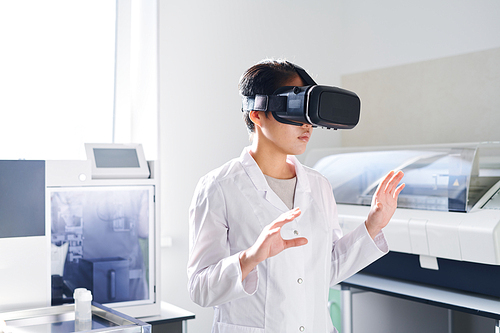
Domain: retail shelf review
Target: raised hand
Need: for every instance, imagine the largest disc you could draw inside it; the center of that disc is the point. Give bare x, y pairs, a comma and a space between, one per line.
384, 202
270, 242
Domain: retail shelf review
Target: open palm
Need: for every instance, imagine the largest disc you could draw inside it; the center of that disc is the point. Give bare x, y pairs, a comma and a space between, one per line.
384, 202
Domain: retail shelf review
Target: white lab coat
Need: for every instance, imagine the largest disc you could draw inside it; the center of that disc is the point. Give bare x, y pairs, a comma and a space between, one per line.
285, 293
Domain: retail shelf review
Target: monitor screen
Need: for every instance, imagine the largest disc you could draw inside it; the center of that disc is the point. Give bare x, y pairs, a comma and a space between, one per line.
116, 158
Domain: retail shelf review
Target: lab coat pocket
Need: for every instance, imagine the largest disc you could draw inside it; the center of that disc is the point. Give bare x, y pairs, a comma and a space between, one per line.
228, 328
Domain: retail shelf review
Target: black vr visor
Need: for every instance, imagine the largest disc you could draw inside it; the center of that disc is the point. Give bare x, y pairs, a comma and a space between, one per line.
322, 106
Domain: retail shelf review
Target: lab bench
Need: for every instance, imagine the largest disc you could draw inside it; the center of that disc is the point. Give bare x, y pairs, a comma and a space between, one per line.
61, 319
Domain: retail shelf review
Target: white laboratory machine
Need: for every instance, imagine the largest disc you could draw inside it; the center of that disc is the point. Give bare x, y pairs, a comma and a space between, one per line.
446, 230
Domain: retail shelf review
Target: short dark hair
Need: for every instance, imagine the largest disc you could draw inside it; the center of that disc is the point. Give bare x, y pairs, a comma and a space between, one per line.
264, 78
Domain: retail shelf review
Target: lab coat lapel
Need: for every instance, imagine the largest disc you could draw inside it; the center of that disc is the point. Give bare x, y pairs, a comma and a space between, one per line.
303, 196
273, 198
259, 181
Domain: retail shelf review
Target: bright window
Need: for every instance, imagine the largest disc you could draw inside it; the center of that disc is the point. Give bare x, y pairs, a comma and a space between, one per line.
56, 77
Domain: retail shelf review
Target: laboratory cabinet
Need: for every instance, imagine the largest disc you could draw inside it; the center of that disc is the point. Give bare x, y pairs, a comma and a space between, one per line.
91, 224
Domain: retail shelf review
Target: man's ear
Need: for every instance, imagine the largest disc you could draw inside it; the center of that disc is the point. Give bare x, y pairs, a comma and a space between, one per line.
255, 117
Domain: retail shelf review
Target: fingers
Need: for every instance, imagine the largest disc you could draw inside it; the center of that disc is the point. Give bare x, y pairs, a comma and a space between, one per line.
286, 218
389, 183
395, 179
283, 219
295, 242
383, 185
398, 190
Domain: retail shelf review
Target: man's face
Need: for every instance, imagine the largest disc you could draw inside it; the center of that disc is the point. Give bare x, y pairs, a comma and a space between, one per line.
287, 139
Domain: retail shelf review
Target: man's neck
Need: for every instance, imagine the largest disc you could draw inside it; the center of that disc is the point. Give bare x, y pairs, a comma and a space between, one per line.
272, 163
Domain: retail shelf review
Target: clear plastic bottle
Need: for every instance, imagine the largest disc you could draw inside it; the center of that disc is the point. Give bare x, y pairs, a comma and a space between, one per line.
83, 312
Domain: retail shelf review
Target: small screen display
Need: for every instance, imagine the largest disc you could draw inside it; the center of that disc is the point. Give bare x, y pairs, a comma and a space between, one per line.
116, 158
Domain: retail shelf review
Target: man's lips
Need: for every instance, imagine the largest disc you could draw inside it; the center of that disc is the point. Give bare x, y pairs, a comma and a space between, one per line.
305, 136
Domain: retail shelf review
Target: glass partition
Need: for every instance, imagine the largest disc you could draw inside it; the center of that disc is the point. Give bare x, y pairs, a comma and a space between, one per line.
102, 240
437, 178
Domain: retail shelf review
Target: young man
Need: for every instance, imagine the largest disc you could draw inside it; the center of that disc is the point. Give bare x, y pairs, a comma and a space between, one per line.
265, 242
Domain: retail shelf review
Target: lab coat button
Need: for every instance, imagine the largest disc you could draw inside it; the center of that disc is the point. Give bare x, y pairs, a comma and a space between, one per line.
299, 281
302, 328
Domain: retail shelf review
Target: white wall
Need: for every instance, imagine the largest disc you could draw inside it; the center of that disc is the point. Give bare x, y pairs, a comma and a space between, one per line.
378, 34
447, 100
206, 45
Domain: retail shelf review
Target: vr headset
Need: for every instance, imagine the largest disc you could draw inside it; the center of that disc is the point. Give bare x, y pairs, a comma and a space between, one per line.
319, 106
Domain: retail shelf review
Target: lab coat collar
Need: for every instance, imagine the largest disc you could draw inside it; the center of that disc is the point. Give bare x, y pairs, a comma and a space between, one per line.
253, 171
302, 189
